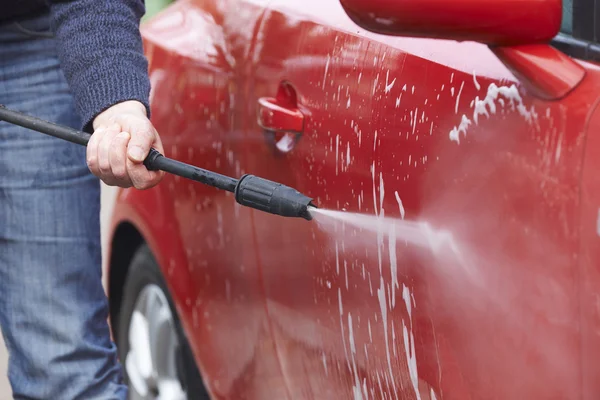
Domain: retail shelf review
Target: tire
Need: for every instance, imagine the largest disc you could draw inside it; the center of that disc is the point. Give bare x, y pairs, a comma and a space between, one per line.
145, 297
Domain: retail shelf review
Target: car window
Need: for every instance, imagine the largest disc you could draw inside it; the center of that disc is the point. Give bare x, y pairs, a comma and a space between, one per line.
567, 17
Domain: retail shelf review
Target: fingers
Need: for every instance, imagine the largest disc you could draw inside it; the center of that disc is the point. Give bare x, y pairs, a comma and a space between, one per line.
118, 159
140, 176
143, 137
104, 150
106, 155
120, 144
92, 151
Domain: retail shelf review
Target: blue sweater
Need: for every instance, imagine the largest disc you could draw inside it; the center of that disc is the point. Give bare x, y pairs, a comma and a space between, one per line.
100, 49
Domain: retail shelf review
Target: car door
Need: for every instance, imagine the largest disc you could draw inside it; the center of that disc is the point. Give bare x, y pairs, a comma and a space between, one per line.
578, 33
198, 52
302, 280
451, 271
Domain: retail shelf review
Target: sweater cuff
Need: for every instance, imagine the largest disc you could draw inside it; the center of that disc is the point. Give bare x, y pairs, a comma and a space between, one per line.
107, 83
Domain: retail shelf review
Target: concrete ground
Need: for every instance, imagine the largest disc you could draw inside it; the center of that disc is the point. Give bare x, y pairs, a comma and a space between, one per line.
108, 195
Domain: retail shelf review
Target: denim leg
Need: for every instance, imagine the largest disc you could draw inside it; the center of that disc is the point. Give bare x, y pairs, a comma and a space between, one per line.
53, 309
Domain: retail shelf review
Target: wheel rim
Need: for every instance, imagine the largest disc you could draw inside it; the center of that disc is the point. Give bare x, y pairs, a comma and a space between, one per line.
151, 362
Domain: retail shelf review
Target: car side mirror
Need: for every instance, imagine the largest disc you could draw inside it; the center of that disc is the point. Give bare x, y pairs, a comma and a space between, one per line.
517, 31
493, 22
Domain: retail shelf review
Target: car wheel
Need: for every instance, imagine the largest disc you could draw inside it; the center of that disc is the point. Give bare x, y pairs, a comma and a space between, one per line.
157, 359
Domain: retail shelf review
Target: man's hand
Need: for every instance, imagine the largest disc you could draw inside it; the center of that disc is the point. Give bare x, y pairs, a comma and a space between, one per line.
123, 136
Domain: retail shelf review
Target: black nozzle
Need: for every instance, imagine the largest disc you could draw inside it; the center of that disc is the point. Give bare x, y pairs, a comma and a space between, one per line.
272, 197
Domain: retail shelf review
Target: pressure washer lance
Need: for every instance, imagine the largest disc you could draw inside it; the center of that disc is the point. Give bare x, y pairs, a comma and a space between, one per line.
251, 191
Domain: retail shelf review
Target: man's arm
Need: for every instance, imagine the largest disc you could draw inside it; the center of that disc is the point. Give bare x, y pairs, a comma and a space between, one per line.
101, 54
100, 49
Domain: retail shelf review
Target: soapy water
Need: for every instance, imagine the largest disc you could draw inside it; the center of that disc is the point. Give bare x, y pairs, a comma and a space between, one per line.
491, 282
419, 234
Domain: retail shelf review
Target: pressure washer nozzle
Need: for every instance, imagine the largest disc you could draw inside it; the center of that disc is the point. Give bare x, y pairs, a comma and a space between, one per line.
272, 197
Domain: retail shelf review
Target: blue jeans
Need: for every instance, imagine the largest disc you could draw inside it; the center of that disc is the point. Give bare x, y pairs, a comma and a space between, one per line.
53, 309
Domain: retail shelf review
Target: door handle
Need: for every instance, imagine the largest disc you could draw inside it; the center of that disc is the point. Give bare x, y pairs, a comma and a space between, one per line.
281, 119
278, 117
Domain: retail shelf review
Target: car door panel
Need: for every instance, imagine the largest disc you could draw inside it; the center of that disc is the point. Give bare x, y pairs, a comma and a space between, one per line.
197, 52
589, 256
431, 132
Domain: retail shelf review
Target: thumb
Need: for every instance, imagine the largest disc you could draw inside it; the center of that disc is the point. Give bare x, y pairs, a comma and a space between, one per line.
139, 146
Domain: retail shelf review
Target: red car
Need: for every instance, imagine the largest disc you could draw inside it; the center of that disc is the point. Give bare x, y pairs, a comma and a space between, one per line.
456, 145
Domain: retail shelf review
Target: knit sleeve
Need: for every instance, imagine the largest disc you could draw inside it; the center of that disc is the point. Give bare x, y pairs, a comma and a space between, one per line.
101, 53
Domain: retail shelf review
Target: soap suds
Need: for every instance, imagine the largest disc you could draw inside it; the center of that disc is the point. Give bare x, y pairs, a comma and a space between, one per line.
510, 93
326, 69
382, 306
458, 98
389, 86
337, 153
394, 340
393, 263
357, 387
480, 107
337, 258
415, 121
432, 394
400, 205
456, 131
406, 297
348, 155
375, 84
411, 359
477, 85
346, 272
374, 143
351, 334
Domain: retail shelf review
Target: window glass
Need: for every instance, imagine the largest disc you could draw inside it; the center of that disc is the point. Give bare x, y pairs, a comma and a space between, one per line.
567, 17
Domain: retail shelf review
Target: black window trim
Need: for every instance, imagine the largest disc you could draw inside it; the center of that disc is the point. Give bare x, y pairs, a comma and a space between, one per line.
583, 42
577, 48
584, 20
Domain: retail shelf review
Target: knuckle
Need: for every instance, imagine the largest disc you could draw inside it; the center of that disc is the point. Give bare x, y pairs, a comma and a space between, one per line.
140, 141
145, 132
120, 173
91, 161
104, 166
120, 140
142, 184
